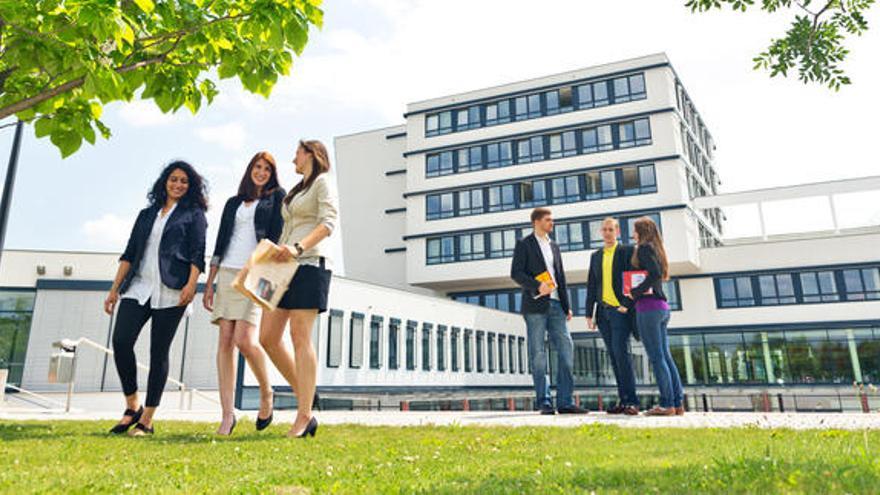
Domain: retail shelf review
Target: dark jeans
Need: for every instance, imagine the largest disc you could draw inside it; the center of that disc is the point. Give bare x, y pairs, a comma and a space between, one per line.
615, 330
538, 327
652, 328
130, 319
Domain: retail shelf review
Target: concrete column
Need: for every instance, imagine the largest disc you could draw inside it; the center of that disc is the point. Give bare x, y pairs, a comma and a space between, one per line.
688, 361
768, 360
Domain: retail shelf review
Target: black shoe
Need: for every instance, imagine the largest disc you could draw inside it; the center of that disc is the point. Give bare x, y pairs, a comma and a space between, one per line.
231, 428
547, 410
311, 428
316, 401
120, 428
140, 430
572, 409
618, 409
263, 423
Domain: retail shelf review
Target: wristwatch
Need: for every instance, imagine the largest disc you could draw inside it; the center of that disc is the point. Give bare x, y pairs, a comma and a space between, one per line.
299, 248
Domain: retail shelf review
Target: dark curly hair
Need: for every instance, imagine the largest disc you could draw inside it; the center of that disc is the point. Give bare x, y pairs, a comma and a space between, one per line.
196, 195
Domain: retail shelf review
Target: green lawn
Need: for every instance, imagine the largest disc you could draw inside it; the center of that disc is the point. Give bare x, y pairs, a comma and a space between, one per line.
77, 457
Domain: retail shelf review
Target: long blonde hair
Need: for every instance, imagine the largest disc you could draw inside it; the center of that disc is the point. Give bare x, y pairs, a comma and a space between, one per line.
320, 165
649, 234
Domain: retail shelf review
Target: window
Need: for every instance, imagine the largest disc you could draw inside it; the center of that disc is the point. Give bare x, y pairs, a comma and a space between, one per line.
533, 193
439, 164
445, 126
566, 189
563, 145
393, 343
432, 125
530, 150
558, 100
673, 298
595, 228
441, 348
481, 336
862, 284
468, 350
499, 154
453, 349
502, 350
638, 180
736, 292
776, 289
470, 159
468, 118
601, 184
521, 343
356, 341
635, 133
503, 302
471, 247
629, 88
597, 139
441, 250
502, 198
498, 112
501, 243
440, 206
511, 345
334, 339
577, 296
376, 342
490, 351
819, 287
411, 345
600, 94
470, 202
569, 236
426, 346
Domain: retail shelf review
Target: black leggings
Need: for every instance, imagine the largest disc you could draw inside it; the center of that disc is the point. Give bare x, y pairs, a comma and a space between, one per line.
130, 319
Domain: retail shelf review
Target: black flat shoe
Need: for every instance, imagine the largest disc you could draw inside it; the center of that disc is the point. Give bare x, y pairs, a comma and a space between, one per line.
547, 410
263, 423
311, 428
140, 430
120, 428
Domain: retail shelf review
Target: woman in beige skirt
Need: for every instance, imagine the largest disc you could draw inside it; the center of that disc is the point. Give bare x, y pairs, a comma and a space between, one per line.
248, 217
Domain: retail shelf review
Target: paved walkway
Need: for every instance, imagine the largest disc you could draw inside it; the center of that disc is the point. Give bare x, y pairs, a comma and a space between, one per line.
107, 406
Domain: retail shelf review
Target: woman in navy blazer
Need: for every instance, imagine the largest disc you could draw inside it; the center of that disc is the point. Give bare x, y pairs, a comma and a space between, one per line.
156, 280
248, 217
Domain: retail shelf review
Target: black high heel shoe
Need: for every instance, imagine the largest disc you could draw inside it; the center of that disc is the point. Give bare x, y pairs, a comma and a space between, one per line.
263, 423
311, 429
231, 428
120, 428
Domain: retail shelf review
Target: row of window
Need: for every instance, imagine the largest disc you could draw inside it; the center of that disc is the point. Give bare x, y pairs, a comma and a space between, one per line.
700, 163
530, 106
511, 299
443, 348
589, 186
800, 287
689, 111
572, 235
607, 137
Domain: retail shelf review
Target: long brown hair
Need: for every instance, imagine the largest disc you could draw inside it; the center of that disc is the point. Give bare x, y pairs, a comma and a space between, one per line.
247, 190
649, 234
320, 165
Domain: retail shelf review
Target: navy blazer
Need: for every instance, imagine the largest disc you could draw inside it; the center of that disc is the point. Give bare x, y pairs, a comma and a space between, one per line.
528, 262
267, 221
621, 263
182, 245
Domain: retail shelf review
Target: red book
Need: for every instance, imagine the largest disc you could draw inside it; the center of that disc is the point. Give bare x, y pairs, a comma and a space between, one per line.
634, 278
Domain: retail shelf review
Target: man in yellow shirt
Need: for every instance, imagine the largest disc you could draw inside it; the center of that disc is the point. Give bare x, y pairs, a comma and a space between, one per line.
608, 309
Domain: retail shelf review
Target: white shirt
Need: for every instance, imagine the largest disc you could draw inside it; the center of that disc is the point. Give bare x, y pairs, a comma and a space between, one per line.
244, 237
147, 284
547, 251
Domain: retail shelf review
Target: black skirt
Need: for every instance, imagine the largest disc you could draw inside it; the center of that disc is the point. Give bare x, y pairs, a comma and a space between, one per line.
309, 289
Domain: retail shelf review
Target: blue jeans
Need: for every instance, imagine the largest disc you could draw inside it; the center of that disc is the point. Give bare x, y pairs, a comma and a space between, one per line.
652, 328
538, 326
614, 328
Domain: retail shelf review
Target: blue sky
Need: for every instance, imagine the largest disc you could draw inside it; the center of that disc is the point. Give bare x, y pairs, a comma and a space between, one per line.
374, 56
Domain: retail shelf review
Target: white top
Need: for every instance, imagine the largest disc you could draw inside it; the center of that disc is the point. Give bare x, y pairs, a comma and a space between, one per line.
318, 205
147, 284
244, 237
547, 251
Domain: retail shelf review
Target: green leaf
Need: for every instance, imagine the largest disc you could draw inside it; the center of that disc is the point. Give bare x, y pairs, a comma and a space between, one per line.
43, 127
146, 5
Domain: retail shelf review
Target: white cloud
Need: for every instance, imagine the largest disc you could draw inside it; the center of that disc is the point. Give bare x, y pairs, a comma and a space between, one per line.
109, 231
231, 136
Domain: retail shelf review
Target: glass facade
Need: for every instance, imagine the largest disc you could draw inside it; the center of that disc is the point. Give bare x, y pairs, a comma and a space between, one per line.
808, 286
16, 312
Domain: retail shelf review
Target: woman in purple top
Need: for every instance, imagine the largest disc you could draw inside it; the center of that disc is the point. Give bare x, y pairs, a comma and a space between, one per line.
652, 315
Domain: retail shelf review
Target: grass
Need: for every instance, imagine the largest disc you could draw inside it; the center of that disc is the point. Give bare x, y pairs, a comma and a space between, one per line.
77, 457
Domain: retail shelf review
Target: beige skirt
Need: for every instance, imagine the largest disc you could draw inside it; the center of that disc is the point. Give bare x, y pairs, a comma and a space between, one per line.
229, 304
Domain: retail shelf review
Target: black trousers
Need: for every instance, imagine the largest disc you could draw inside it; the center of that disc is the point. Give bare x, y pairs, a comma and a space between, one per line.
130, 319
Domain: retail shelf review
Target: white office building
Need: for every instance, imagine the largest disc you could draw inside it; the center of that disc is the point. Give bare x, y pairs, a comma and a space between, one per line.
442, 199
